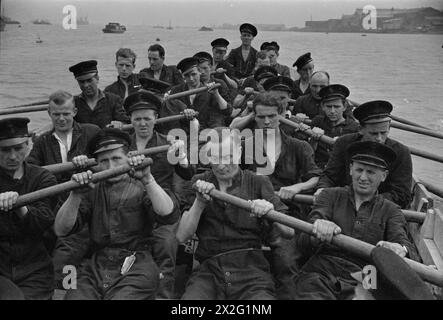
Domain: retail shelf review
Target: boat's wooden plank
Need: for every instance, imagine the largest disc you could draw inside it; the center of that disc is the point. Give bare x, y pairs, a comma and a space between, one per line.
434, 253
438, 228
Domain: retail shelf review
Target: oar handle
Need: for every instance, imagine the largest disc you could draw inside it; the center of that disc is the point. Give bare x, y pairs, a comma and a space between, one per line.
31, 197
352, 245
69, 166
22, 110
193, 91
177, 117
306, 129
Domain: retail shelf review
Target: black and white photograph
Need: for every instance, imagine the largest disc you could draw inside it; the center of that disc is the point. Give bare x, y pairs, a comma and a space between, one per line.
220, 157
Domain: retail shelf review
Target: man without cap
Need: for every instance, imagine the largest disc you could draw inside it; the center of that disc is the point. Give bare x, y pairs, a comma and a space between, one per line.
309, 104
243, 58
332, 122
157, 68
24, 260
210, 105
356, 210
272, 49
305, 68
143, 109
224, 70
120, 213
93, 105
66, 142
127, 81
291, 168
232, 264
375, 121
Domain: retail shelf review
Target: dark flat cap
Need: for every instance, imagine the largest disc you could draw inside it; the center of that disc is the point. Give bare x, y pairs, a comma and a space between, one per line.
187, 64
13, 131
265, 72
372, 153
203, 56
248, 28
373, 112
302, 60
280, 83
141, 100
333, 91
396, 280
84, 70
220, 42
270, 46
152, 84
108, 139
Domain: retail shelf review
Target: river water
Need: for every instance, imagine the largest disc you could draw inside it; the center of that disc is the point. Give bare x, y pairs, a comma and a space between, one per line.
406, 70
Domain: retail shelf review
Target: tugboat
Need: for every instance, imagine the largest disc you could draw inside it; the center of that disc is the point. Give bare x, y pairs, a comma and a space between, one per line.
41, 21
114, 27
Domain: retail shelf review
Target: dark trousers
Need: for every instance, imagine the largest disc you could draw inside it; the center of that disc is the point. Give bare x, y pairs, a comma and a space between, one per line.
69, 251
99, 278
164, 252
325, 277
239, 275
9, 291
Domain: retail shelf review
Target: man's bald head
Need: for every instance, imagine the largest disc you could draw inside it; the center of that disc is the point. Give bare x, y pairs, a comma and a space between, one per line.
319, 80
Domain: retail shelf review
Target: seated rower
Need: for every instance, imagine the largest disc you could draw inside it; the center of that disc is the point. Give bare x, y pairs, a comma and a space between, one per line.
211, 106
272, 50
25, 265
93, 105
332, 121
357, 210
143, 109
374, 118
224, 70
169, 107
232, 264
120, 214
289, 164
305, 68
66, 142
127, 81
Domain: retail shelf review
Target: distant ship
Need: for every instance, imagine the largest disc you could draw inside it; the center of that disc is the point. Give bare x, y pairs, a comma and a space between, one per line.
7, 20
205, 29
82, 21
169, 27
114, 27
41, 21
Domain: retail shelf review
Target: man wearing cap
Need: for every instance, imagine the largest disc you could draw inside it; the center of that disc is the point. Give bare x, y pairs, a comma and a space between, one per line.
157, 68
232, 264
289, 164
305, 67
169, 107
357, 210
211, 107
374, 119
143, 109
272, 49
333, 122
93, 105
309, 104
24, 259
243, 58
127, 81
120, 213
224, 70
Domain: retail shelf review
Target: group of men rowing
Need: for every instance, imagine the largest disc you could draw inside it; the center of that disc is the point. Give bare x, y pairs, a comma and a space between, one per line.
122, 234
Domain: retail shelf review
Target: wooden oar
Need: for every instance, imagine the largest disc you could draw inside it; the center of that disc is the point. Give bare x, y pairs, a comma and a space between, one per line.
410, 215
432, 187
404, 121
29, 104
352, 245
426, 132
69, 166
177, 117
192, 91
331, 141
31, 197
23, 110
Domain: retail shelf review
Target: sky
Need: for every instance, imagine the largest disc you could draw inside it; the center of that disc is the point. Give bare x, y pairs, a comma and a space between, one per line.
200, 12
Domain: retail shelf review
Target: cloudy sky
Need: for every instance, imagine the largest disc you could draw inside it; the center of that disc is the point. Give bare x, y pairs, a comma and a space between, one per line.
199, 12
